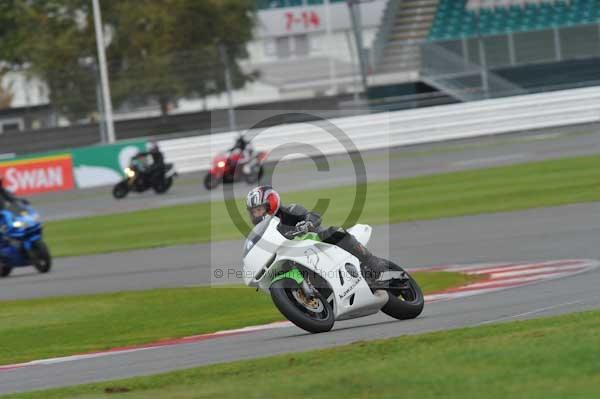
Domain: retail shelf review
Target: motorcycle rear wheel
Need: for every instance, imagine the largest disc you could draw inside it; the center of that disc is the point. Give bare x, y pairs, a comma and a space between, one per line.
319, 318
163, 185
405, 300
255, 177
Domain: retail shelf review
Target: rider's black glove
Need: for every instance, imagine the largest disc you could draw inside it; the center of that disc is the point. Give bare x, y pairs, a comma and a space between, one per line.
302, 227
305, 226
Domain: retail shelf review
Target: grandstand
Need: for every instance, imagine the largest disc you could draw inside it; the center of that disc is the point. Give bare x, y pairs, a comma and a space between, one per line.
405, 24
460, 18
480, 48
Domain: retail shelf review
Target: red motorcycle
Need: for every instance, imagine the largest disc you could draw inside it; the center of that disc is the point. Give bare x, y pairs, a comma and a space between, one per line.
226, 168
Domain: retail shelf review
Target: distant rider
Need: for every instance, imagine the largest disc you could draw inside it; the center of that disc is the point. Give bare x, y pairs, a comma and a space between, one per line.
158, 159
264, 200
245, 148
8, 197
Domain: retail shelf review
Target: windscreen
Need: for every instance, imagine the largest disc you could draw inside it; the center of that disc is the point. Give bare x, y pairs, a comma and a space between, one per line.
15, 208
256, 234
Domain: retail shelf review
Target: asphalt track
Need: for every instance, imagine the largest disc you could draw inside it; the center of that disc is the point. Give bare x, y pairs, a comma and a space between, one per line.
533, 235
575, 293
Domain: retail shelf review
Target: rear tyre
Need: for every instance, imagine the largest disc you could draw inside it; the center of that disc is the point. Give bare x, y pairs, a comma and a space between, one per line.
40, 256
5, 270
315, 316
405, 300
163, 185
210, 181
255, 176
229, 178
121, 190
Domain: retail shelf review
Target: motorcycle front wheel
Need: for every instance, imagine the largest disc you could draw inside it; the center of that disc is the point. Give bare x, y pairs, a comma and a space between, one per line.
121, 190
40, 256
5, 270
313, 315
210, 181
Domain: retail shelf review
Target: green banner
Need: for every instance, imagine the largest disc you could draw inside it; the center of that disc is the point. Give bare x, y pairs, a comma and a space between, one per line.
103, 164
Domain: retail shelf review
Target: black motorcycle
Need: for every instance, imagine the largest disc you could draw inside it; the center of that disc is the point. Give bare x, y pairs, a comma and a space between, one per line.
139, 177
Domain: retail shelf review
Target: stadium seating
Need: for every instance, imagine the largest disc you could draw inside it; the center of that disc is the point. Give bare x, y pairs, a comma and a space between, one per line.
461, 18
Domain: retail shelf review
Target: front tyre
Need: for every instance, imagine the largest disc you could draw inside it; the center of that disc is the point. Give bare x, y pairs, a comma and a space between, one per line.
405, 300
121, 189
315, 315
40, 256
5, 270
210, 181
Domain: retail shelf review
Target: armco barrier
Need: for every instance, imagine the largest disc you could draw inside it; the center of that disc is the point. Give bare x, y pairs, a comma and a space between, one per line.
425, 125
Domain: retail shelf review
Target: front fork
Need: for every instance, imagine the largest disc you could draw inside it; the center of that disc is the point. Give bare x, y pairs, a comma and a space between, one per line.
294, 274
28, 244
308, 289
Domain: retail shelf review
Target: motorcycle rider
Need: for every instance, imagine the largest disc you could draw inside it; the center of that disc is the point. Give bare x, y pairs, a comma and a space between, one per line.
158, 160
8, 197
245, 148
264, 200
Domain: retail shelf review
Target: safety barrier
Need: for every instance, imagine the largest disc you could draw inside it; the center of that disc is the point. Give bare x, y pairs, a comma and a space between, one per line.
446, 122
66, 170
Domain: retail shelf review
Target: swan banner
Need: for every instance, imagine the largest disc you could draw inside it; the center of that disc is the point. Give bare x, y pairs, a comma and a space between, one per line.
61, 171
38, 175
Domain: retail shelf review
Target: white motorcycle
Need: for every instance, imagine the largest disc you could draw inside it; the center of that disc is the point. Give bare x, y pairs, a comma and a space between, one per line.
313, 283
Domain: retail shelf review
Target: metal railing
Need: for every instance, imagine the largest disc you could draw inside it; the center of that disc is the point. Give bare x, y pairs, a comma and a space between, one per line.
460, 77
383, 34
454, 65
389, 129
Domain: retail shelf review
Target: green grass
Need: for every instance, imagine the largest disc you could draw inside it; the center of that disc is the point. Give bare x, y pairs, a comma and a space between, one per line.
508, 188
552, 358
49, 327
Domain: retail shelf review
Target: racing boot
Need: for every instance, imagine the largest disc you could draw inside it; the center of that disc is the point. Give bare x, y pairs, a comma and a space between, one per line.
378, 272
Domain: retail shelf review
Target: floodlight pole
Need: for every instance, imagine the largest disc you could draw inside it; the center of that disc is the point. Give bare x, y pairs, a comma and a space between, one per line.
481, 50
355, 17
108, 111
228, 87
330, 48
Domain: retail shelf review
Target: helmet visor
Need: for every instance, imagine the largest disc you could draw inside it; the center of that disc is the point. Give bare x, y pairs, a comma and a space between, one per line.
257, 213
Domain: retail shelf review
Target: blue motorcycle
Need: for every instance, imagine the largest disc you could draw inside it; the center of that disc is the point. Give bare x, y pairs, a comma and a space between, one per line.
21, 241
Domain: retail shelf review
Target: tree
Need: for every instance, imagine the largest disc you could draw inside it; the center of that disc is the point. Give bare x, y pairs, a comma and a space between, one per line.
6, 96
165, 56
10, 35
160, 50
58, 42
9, 43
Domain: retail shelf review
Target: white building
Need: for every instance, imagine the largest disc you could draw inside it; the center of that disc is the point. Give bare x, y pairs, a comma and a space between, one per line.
27, 90
299, 51
302, 51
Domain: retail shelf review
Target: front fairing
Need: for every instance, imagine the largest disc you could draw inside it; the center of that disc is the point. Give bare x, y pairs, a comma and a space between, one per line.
21, 223
260, 249
219, 165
